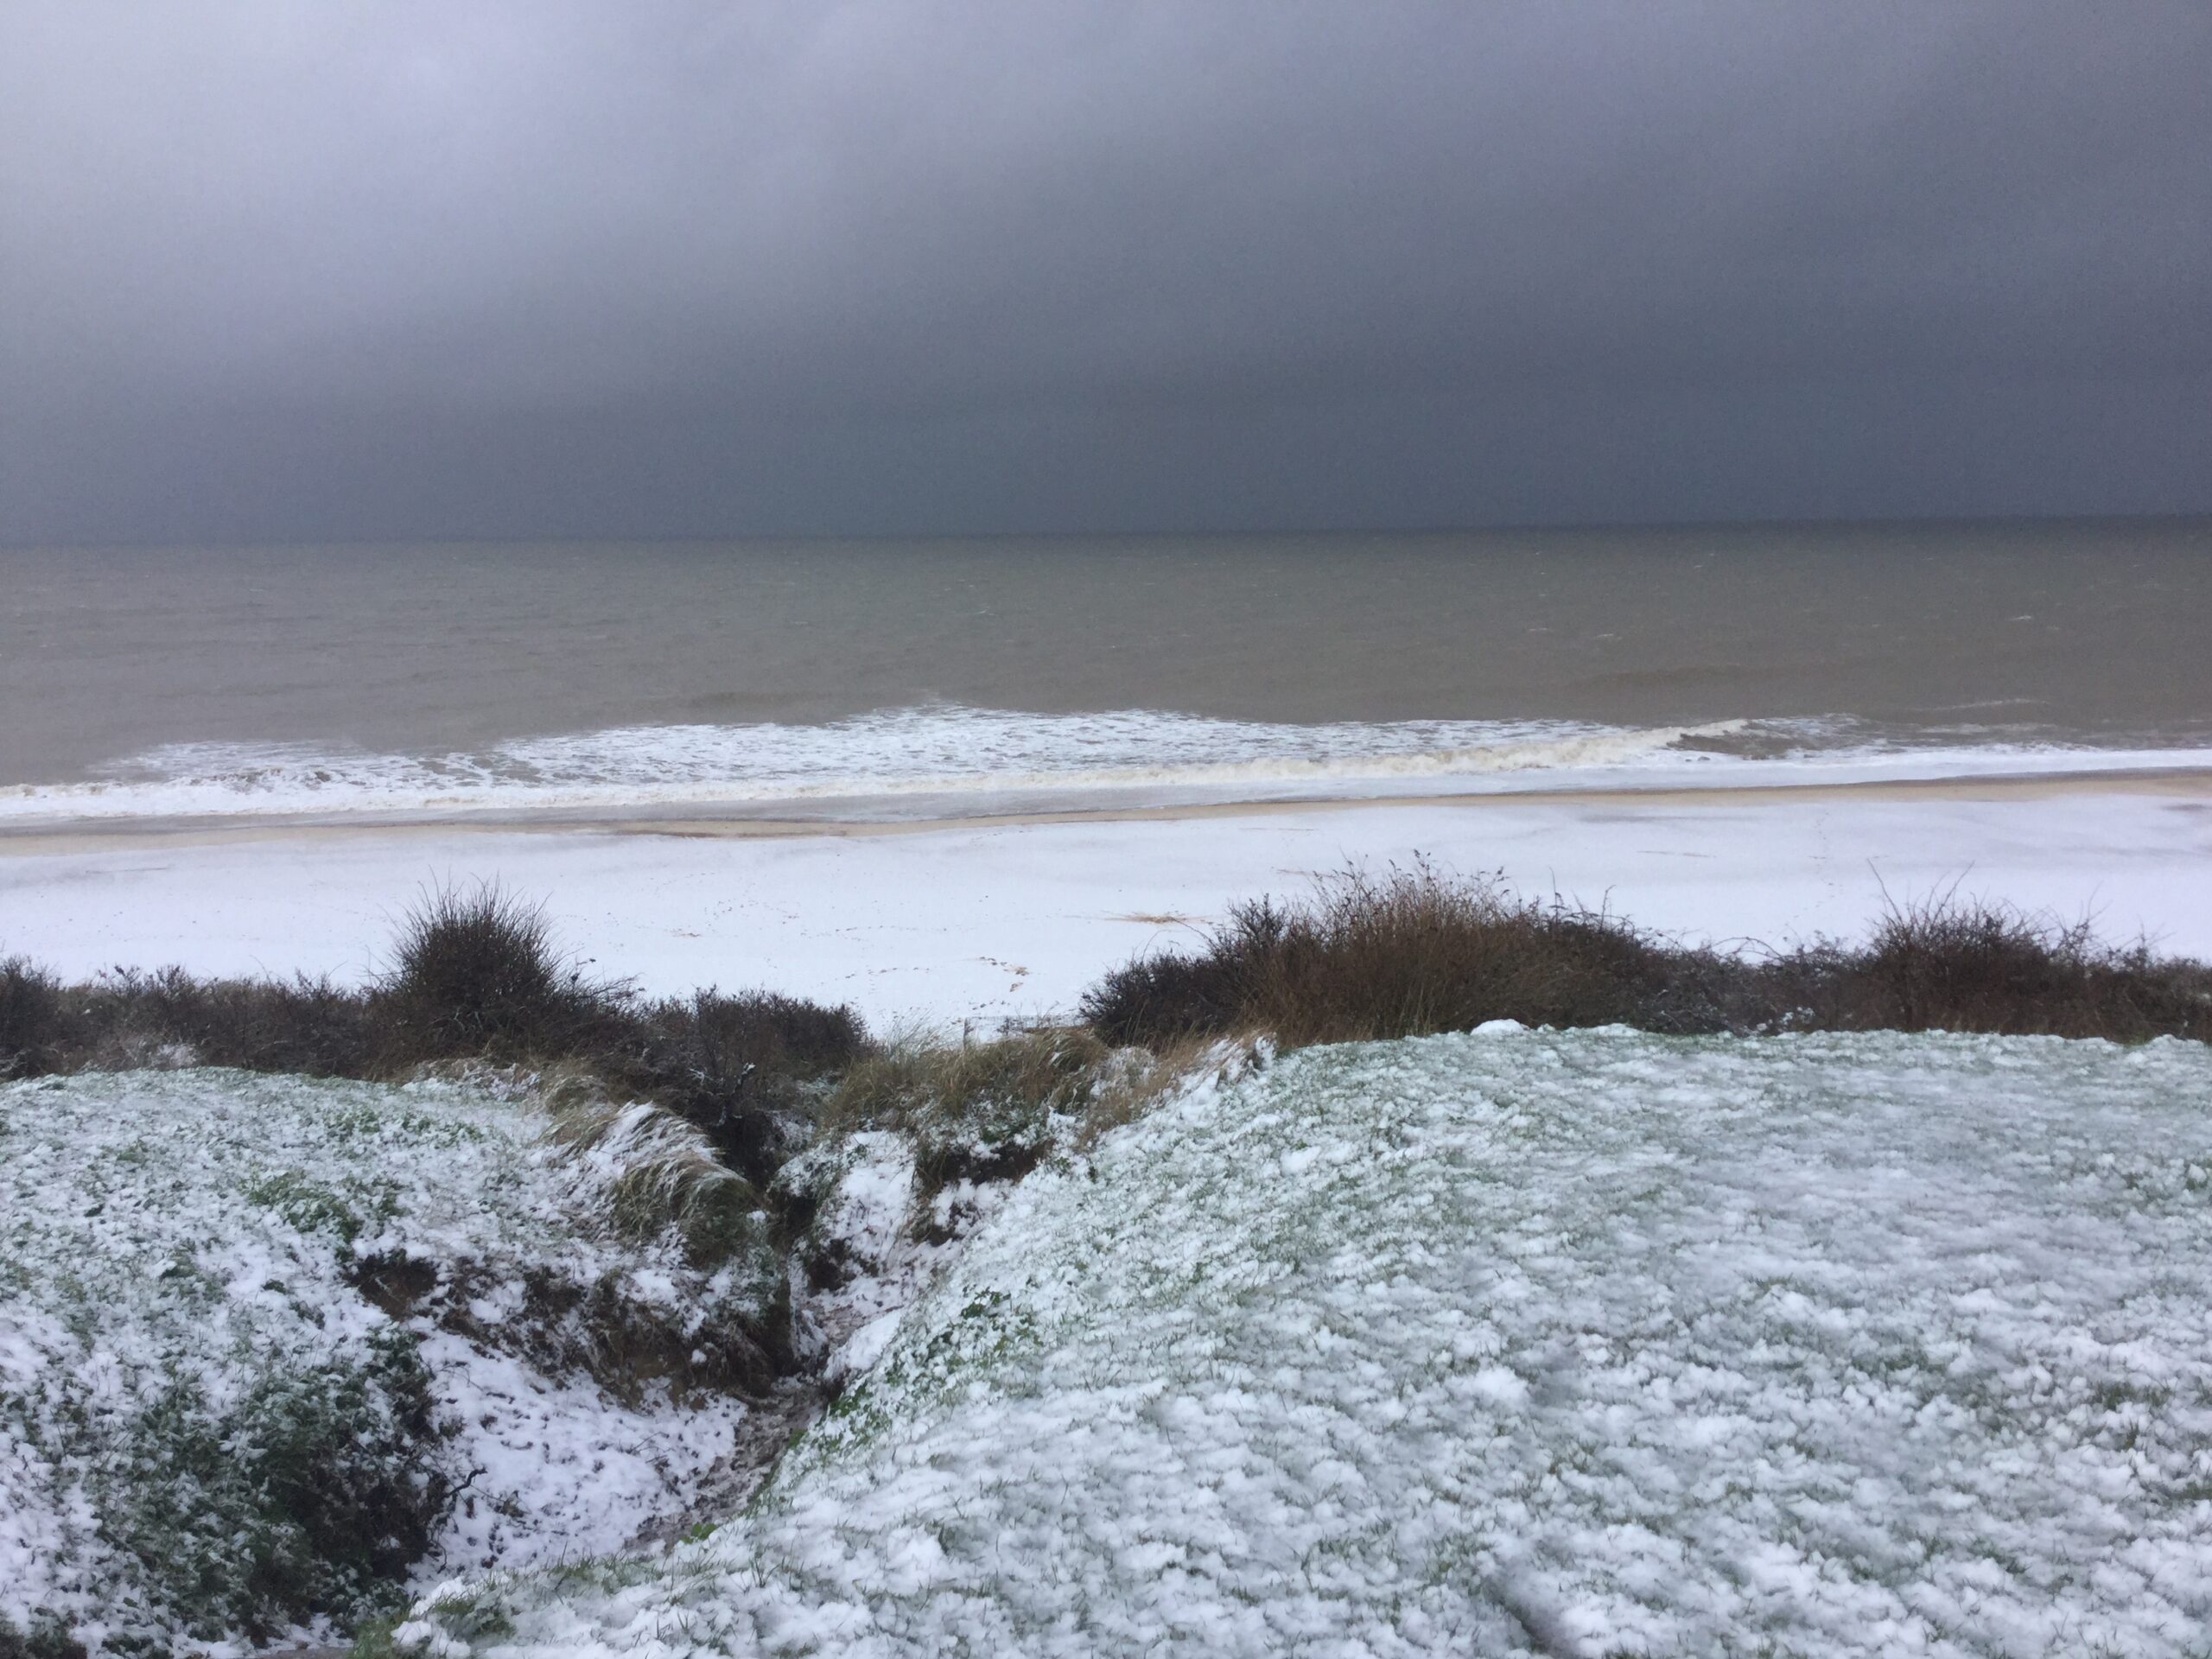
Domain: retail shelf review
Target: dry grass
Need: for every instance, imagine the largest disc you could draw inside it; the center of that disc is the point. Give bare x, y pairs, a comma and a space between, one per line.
1414, 951
977, 1110
655, 1169
1045, 1067
1130, 1082
1404, 953
1944, 965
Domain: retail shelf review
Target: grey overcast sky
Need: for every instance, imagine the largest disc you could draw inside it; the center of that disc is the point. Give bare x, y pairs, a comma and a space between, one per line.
284, 270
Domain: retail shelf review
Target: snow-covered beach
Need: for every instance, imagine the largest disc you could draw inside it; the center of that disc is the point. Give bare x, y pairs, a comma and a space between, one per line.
1028, 1452
1014, 915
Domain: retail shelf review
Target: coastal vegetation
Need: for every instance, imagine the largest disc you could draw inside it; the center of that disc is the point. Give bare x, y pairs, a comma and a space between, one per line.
1413, 952
478, 979
661, 1208
269, 1345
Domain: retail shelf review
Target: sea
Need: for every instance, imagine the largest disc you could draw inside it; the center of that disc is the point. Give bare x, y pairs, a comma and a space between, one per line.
947, 677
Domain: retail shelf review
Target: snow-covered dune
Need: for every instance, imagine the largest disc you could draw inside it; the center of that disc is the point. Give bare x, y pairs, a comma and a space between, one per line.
1576, 1344
266, 1341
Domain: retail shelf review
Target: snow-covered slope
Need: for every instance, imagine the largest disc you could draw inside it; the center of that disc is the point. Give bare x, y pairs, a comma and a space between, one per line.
1576, 1344
264, 1339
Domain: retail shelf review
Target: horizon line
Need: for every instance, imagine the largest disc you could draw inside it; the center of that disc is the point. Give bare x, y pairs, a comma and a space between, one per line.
1527, 527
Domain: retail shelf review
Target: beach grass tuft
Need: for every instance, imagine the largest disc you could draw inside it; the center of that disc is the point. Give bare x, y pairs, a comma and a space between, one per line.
977, 1110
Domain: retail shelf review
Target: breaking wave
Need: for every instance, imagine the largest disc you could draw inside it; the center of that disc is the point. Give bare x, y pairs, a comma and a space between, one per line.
957, 760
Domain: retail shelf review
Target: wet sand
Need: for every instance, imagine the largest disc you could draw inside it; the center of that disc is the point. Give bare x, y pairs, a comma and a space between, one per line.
748, 820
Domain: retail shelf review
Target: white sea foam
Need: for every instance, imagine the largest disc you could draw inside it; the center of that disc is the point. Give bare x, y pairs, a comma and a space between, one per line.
951, 758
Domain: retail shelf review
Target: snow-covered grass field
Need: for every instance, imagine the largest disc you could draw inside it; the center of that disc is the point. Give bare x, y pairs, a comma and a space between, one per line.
1574, 1342
264, 1340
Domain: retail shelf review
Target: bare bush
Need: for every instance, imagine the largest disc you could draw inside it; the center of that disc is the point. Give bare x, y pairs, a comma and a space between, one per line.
477, 973
1414, 951
1945, 964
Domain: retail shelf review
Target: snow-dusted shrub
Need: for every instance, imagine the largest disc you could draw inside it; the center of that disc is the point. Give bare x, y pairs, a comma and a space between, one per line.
30, 1019
312, 1491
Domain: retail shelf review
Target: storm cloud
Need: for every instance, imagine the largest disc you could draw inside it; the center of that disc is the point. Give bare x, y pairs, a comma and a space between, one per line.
323, 270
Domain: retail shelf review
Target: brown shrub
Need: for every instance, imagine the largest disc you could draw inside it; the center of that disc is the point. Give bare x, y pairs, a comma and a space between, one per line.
305, 1025
1414, 951
1405, 953
477, 978
1943, 964
34, 1024
132, 1018
477, 975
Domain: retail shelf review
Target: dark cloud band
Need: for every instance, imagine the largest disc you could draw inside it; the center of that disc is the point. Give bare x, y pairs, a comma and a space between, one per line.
300, 269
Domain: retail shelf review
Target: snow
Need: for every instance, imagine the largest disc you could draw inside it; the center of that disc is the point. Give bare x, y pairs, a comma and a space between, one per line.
865, 1345
987, 921
204, 1230
1574, 1343
862, 1261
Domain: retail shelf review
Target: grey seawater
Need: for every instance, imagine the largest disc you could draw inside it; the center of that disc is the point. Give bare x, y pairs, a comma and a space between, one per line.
2072, 632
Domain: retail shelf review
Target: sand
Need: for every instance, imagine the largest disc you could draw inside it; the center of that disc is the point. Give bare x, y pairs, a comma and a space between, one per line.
744, 820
